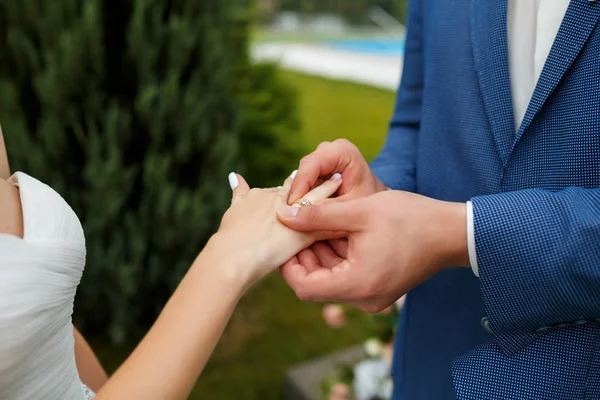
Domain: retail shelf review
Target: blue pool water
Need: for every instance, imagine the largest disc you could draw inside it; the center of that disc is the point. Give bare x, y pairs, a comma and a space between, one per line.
392, 47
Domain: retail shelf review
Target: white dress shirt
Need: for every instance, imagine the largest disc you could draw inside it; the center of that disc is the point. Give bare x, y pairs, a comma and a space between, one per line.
532, 28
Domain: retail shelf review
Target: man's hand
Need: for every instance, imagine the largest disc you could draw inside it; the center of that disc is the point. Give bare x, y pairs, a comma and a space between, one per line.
338, 156
358, 181
396, 240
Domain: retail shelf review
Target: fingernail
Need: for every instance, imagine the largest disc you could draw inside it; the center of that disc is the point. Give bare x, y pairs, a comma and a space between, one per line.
336, 177
288, 212
279, 187
293, 174
233, 180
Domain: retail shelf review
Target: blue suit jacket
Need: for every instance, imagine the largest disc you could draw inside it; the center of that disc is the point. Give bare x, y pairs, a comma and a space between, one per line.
536, 207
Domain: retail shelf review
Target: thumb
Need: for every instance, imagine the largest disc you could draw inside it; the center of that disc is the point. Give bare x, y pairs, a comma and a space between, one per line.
347, 217
238, 186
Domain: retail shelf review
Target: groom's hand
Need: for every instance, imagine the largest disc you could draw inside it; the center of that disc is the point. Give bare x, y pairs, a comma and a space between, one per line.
330, 157
358, 181
396, 240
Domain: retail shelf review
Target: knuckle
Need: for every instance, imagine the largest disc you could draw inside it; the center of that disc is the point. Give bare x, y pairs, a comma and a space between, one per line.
307, 159
344, 143
323, 144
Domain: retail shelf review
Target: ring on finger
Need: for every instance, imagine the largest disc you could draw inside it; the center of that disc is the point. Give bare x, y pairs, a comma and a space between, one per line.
304, 202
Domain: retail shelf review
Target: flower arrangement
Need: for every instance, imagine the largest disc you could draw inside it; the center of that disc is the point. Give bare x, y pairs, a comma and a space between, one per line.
369, 379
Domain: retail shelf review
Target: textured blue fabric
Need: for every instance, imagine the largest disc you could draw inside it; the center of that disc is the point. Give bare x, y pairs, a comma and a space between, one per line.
536, 207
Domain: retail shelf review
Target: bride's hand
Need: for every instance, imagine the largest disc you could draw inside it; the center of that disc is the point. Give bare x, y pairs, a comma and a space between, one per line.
251, 233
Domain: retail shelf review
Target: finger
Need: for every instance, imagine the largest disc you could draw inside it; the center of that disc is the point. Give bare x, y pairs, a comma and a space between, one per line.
323, 144
238, 186
325, 255
321, 236
348, 216
309, 260
322, 162
325, 284
291, 261
318, 183
322, 192
327, 201
291, 272
273, 189
287, 184
340, 246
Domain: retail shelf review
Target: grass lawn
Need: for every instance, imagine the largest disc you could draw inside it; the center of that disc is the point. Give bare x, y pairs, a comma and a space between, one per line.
265, 35
271, 329
334, 109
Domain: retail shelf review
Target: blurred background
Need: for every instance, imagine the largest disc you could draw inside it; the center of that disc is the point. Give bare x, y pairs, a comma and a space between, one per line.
136, 111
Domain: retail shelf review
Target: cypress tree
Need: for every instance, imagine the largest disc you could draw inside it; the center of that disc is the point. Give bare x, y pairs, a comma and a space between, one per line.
135, 111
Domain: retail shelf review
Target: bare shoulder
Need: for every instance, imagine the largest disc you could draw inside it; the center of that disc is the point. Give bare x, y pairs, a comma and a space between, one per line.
11, 213
4, 166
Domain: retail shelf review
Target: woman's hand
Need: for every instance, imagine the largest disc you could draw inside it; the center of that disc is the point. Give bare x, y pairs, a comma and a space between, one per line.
251, 233
250, 243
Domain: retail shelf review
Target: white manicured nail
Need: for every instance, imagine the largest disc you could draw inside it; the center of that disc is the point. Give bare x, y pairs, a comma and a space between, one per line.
279, 187
336, 177
233, 180
293, 175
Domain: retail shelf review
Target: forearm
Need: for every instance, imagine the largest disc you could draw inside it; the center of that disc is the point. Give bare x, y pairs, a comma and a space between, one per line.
168, 361
89, 368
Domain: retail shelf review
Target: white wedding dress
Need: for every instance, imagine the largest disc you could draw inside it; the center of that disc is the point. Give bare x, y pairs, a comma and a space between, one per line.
39, 275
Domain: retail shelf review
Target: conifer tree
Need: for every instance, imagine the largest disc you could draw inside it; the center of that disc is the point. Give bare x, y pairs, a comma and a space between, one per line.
135, 111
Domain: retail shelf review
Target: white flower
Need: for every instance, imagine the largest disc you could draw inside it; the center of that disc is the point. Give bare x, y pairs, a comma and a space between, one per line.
387, 389
369, 379
373, 347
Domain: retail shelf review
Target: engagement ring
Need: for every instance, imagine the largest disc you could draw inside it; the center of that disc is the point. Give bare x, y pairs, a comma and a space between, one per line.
304, 202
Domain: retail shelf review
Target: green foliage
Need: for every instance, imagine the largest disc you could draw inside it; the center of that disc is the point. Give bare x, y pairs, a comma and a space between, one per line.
136, 111
332, 109
270, 328
354, 11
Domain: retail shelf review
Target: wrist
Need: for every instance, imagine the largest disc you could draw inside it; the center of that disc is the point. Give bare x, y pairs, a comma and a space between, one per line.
453, 239
226, 264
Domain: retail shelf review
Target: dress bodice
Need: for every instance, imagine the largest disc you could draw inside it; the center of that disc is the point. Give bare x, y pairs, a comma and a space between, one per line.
39, 275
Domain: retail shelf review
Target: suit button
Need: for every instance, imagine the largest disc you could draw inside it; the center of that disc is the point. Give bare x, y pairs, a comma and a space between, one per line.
485, 324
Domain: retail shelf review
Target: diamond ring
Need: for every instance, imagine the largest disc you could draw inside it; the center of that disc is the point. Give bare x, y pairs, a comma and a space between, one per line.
304, 202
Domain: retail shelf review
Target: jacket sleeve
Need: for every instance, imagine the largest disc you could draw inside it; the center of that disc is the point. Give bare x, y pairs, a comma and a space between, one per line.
395, 165
539, 258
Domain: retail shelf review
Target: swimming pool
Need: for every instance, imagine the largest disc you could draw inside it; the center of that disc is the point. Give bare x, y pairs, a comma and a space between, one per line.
391, 47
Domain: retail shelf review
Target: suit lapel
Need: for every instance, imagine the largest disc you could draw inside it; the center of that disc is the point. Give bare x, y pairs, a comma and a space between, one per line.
489, 36
577, 25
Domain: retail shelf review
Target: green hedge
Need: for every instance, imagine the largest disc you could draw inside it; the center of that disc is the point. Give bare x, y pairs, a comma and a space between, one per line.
135, 111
